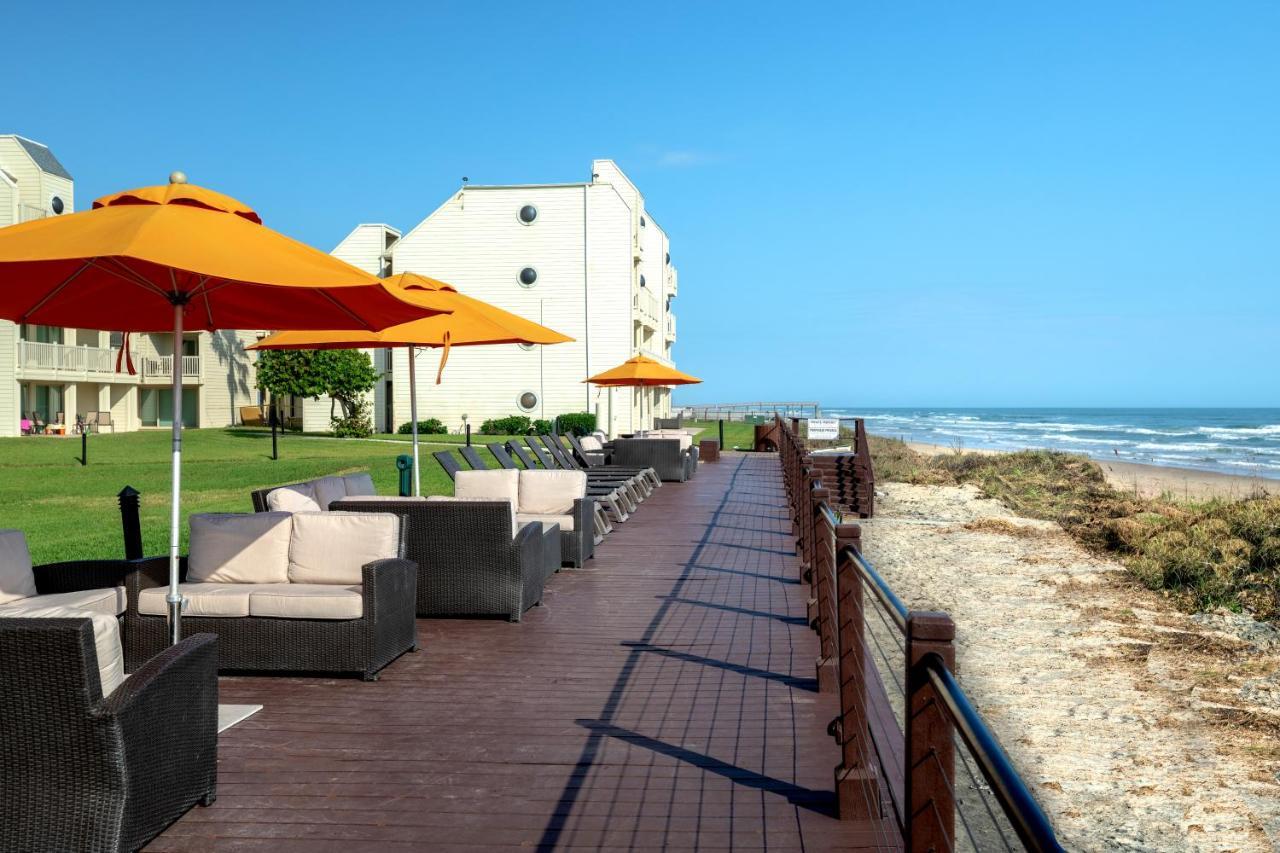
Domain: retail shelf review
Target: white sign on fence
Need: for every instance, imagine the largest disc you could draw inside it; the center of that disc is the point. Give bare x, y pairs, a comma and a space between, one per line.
824, 429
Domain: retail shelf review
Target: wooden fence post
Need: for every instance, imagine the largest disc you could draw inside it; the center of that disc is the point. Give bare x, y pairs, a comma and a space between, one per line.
823, 596
930, 745
857, 783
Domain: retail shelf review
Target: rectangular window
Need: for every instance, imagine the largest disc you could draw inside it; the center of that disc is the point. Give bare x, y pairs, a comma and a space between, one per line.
156, 407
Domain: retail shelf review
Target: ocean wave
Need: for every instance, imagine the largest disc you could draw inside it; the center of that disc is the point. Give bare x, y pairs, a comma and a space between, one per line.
1075, 439
1266, 429
1175, 446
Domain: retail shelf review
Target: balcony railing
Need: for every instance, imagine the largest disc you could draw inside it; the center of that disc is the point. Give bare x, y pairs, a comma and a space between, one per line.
37, 355
28, 212
159, 368
647, 306
671, 327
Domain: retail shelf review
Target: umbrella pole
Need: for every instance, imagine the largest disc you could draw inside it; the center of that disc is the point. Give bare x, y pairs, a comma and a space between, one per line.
174, 598
413, 415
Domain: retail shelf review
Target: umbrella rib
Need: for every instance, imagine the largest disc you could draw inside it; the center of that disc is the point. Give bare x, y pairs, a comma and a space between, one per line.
360, 322
132, 277
56, 290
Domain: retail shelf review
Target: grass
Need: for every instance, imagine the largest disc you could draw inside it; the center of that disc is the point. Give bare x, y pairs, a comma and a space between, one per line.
1204, 554
736, 433
69, 511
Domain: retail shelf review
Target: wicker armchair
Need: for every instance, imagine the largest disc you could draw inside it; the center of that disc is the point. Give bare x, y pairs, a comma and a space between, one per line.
81, 772
384, 631
663, 455
468, 562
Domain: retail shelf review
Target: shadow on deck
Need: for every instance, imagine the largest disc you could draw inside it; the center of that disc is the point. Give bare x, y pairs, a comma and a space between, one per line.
661, 698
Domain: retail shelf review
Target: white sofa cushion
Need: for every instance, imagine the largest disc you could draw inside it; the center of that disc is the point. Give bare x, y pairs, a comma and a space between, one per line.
591, 444
359, 485
16, 578
565, 521
299, 498
334, 547
550, 492
502, 485
306, 601
106, 641
112, 601
515, 527
239, 547
326, 490
205, 599
356, 499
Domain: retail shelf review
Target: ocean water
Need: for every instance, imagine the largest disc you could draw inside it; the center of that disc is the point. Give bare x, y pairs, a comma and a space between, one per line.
1232, 441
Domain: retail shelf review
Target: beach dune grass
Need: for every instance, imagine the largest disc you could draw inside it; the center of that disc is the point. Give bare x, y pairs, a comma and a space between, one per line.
1205, 554
69, 511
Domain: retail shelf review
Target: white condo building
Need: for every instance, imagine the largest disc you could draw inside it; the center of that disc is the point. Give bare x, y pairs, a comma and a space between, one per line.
52, 371
586, 259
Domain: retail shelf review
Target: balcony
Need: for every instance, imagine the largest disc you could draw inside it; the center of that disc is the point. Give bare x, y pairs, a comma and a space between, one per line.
64, 360
673, 282
158, 369
671, 327
656, 356
28, 212
646, 308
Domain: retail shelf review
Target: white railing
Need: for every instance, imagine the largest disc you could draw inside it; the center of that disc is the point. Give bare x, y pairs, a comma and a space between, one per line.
36, 355
656, 356
671, 327
158, 368
28, 212
648, 307
673, 282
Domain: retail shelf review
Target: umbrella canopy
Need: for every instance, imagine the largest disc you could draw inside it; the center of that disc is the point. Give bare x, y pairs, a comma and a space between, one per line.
642, 371
178, 258
470, 322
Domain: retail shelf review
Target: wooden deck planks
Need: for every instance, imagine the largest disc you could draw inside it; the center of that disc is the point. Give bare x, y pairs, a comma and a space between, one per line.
661, 698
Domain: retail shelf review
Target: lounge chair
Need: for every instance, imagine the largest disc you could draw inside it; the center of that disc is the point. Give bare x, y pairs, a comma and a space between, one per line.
594, 457
602, 525
554, 456
641, 481
252, 416
448, 462
616, 502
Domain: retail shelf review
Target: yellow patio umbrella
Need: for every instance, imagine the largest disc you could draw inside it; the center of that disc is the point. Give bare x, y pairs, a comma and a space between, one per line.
181, 257
470, 322
642, 372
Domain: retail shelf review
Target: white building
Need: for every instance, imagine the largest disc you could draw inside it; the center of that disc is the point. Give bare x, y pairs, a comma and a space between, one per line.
586, 259
52, 371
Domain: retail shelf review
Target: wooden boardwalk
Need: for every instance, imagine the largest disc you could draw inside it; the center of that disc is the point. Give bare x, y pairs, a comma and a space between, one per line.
661, 698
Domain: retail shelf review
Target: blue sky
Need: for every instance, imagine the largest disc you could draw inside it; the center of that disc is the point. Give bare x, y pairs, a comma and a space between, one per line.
870, 203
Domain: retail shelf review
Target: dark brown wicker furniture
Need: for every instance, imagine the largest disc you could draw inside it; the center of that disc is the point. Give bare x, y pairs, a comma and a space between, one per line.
80, 772
468, 562
384, 631
663, 455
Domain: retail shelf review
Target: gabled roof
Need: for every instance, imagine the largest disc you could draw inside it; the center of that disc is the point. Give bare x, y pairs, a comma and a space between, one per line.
43, 157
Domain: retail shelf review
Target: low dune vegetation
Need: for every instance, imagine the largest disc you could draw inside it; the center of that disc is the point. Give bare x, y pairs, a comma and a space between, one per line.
1206, 554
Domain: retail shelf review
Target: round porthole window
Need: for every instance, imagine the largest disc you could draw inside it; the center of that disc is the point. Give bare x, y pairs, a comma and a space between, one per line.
642, 281
525, 346
528, 213
528, 401
528, 276
56, 205
668, 257
642, 222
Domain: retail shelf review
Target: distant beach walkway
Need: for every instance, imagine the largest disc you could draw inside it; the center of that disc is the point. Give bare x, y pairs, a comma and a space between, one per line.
1138, 727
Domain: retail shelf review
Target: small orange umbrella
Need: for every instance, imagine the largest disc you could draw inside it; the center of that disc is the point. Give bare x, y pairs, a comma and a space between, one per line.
181, 257
471, 322
641, 372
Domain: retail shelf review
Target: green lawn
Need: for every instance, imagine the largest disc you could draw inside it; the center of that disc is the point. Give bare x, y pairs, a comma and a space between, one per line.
736, 433
70, 512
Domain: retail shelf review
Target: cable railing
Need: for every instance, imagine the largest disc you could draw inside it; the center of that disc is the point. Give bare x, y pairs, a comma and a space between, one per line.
912, 745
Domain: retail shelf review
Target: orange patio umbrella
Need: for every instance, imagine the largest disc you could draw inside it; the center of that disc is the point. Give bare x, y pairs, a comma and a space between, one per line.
470, 322
181, 257
642, 372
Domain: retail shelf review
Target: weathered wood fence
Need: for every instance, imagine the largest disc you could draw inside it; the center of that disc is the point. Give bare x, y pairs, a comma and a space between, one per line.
902, 712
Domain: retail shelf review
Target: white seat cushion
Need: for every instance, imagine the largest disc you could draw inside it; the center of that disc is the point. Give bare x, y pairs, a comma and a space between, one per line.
112, 601
334, 547
240, 547
205, 599
359, 484
299, 498
590, 443
371, 498
500, 485
16, 578
306, 601
550, 492
515, 527
326, 490
106, 641
565, 521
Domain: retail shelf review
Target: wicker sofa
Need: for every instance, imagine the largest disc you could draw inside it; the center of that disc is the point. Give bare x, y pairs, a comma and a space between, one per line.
92, 762
473, 558
305, 591
312, 495
550, 497
673, 458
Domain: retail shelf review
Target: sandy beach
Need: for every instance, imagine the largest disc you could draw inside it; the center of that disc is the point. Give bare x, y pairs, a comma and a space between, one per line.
1154, 480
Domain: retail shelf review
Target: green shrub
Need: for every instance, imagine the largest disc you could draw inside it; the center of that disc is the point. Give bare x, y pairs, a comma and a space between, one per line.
356, 425
578, 423
431, 426
542, 427
510, 425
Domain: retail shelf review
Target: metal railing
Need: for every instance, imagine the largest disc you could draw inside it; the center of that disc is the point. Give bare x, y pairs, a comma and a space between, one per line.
671, 327
157, 368
744, 411
905, 726
38, 355
28, 212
